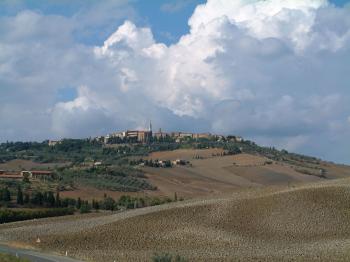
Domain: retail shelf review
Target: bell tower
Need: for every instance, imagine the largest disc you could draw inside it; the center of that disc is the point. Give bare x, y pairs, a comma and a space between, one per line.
150, 126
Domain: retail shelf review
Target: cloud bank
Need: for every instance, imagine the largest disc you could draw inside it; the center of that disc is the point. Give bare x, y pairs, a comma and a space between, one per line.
273, 71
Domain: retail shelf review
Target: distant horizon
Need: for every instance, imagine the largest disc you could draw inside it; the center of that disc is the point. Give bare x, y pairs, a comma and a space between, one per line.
245, 139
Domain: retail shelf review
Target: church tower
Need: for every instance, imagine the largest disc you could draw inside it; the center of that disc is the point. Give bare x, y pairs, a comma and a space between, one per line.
150, 126
150, 135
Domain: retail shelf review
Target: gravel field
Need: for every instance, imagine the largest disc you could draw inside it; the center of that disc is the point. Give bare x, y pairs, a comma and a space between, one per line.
301, 223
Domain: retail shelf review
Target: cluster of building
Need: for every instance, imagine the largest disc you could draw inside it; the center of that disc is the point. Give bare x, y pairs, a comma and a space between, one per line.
129, 135
32, 174
145, 136
164, 163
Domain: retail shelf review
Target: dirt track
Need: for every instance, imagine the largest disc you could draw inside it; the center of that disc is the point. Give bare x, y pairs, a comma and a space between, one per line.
310, 222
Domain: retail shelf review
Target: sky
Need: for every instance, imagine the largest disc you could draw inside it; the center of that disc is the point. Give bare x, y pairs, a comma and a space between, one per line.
274, 71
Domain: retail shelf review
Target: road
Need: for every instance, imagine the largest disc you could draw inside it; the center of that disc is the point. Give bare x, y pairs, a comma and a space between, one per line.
34, 256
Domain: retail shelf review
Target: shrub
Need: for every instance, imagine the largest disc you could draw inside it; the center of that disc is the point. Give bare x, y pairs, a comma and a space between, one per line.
68, 202
85, 208
5, 195
10, 215
109, 204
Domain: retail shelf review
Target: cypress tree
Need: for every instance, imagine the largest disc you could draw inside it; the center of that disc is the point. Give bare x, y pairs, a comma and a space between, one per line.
95, 204
6, 195
51, 199
45, 198
20, 200
58, 200
37, 199
26, 198
78, 203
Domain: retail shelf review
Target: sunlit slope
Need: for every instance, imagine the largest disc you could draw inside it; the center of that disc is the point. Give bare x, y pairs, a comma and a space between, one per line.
310, 222
209, 174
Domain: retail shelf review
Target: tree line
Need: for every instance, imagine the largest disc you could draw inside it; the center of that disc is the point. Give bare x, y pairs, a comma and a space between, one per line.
49, 199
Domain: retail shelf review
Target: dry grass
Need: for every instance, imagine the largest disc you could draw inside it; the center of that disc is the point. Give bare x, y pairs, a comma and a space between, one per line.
304, 223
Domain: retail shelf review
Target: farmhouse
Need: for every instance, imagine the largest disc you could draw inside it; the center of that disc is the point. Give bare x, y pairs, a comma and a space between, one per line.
98, 163
37, 174
10, 175
179, 162
239, 139
53, 142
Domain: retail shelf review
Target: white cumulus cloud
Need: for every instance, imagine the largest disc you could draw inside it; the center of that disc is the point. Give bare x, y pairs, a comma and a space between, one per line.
275, 71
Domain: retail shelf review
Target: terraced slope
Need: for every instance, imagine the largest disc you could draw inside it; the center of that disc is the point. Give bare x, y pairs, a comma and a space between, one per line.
304, 223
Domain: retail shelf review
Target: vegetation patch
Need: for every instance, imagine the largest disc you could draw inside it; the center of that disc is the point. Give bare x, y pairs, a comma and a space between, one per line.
319, 173
115, 178
12, 215
10, 258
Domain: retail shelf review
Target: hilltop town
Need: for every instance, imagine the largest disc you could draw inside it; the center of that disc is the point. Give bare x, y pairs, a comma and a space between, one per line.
140, 170
148, 136
50, 151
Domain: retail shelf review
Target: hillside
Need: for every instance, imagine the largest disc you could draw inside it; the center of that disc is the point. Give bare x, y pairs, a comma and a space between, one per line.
214, 167
304, 223
211, 173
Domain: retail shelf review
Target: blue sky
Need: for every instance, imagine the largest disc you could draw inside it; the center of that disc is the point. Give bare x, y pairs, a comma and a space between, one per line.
78, 69
167, 18
174, 23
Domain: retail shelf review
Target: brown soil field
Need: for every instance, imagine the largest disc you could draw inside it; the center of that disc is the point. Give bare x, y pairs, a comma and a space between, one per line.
89, 193
248, 160
19, 164
308, 222
185, 154
220, 174
208, 174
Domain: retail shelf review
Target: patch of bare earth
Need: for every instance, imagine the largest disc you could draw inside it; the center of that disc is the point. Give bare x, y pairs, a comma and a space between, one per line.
220, 174
89, 193
186, 154
302, 223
